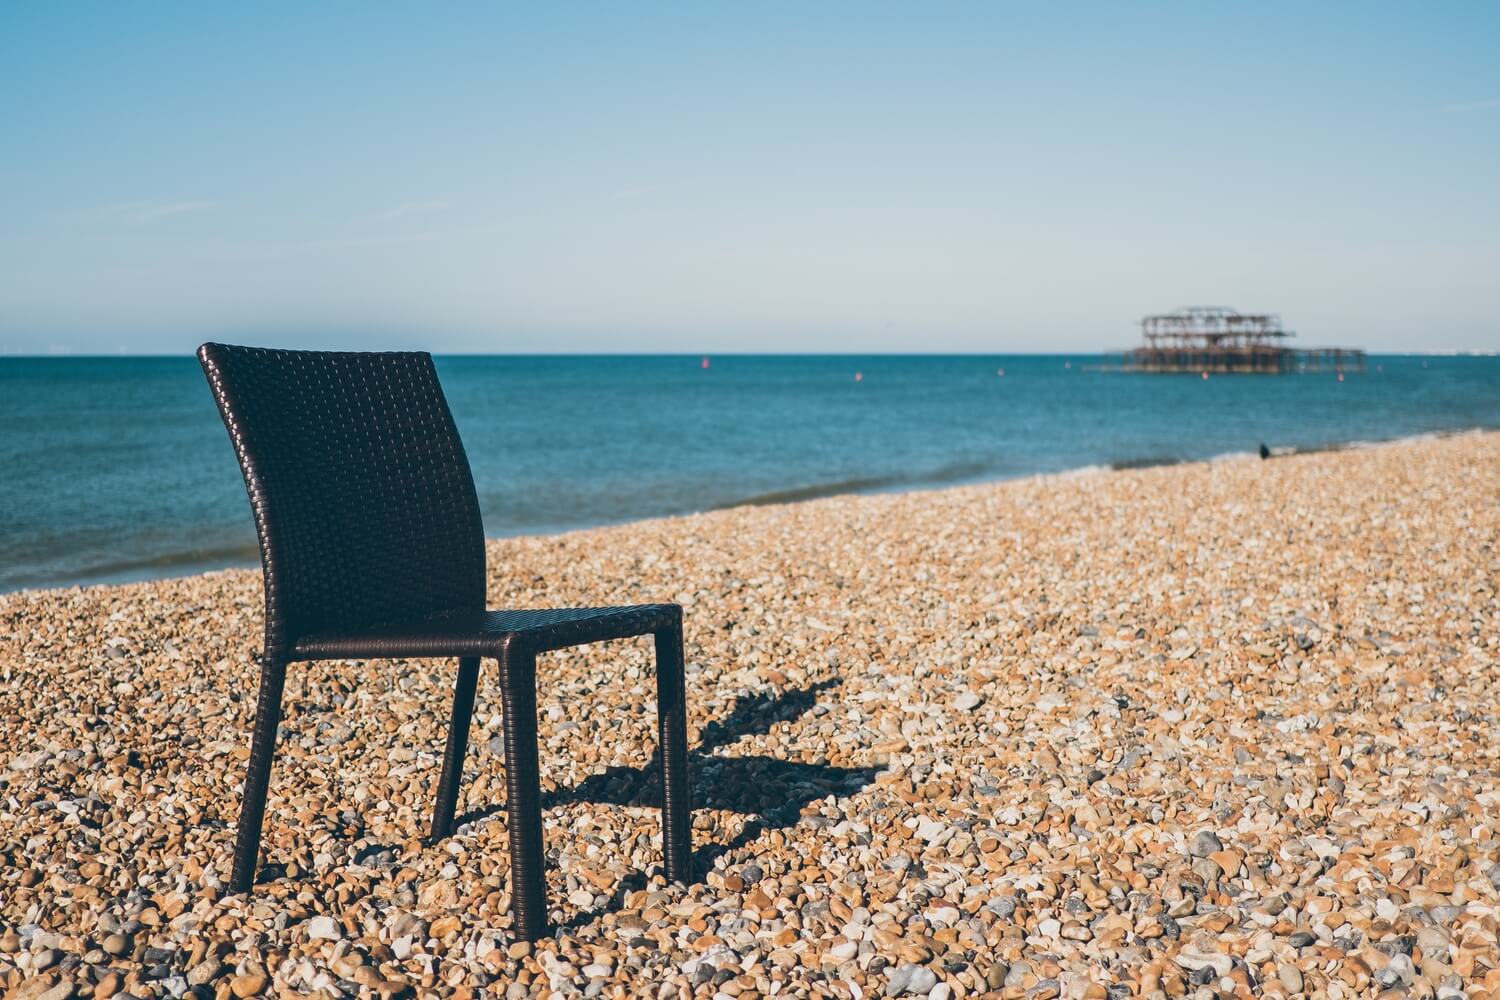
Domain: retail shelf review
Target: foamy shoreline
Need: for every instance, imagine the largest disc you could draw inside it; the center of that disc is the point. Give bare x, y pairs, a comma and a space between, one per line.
192, 565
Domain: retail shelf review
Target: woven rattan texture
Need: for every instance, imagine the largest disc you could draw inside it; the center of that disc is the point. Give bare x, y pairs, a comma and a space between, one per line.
489, 633
361, 491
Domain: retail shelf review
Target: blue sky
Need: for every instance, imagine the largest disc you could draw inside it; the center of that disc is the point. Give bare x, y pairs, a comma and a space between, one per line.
755, 177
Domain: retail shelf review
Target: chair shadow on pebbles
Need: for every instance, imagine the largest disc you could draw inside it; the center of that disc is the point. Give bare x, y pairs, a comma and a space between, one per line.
771, 791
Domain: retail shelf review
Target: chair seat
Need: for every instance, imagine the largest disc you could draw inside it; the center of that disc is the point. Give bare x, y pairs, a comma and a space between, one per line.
489, 633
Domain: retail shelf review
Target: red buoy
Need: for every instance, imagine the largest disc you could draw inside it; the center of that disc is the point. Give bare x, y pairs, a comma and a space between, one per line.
859, 376
704, 364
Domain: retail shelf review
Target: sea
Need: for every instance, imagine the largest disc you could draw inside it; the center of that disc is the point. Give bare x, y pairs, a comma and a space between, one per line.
115, 469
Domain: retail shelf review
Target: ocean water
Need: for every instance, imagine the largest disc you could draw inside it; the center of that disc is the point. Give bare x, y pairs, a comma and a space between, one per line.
118, 468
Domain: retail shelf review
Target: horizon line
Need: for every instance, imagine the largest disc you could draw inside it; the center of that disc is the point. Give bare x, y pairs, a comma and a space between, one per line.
82, 356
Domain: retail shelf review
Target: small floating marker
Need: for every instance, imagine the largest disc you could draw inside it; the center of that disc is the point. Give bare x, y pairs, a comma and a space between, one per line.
704, 363
859, 376
1341, 376
1205, 376
1000, 372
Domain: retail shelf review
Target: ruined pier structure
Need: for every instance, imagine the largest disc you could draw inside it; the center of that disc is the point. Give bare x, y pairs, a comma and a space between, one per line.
1215, 339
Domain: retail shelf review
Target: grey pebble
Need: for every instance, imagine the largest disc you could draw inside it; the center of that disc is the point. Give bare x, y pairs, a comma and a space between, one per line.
1003, 907
1204, 844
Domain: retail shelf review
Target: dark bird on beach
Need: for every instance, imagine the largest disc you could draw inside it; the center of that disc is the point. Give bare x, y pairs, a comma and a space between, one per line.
1265, 452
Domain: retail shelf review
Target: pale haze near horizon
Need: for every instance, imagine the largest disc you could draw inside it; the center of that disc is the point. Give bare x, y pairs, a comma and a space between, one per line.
767, 178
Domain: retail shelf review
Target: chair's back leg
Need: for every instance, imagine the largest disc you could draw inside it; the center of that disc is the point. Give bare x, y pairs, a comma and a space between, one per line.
523, 795
258, 774
671, 720
458, 745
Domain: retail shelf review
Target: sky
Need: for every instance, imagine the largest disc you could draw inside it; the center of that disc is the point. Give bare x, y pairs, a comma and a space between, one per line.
766, 177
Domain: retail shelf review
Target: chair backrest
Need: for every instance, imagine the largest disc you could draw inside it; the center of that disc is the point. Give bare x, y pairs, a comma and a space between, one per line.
362, 495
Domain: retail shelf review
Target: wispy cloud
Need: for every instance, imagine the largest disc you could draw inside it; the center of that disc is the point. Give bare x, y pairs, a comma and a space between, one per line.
352, 243
320, 246
412, 208
141, 212
1458, 109
642, 191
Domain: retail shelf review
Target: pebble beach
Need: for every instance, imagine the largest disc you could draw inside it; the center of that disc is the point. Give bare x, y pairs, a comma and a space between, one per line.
1220, 729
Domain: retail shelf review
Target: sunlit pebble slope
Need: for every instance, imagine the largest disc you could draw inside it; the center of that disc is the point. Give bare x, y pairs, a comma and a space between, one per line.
1228, 727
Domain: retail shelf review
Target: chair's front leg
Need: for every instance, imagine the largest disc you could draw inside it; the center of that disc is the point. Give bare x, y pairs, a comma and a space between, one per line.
458, 745
258, 773
523, 794
671, 721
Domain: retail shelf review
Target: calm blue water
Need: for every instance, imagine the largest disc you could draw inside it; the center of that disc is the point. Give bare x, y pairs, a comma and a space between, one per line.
118, 468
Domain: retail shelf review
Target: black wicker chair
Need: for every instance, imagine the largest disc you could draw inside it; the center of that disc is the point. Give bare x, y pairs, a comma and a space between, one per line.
371, 546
